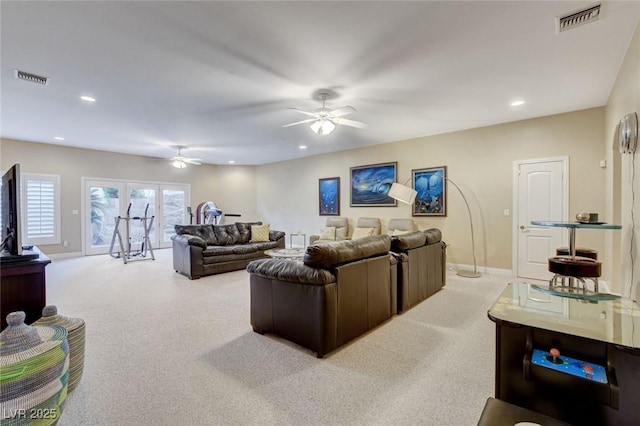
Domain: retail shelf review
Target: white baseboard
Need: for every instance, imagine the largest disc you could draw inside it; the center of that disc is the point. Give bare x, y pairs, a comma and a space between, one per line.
63, 255
481, 269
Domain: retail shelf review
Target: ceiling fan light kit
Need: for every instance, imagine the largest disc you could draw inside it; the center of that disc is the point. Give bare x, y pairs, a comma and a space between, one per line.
178, 164
180, 161
322, 127
324, 120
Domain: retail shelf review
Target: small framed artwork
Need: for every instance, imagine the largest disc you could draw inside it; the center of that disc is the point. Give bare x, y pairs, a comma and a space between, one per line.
329, 196
432, 191
371, 184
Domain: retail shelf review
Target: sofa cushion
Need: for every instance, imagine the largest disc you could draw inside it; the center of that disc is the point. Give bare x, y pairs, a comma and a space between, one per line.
231, 249
408, 241
342, 232
396, 232
259, 233
244, 228
291, 271
203, 231
227, 234
340, 252
434, 235
328, 233
361, 232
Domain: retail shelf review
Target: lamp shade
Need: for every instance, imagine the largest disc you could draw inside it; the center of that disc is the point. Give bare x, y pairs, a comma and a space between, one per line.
402, 193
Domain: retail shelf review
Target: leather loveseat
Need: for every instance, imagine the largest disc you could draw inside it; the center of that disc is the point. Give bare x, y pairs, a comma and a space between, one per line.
200, 250
338, 292
421, 266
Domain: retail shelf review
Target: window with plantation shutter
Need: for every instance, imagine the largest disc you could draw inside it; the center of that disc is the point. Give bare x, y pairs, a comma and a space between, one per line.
40, 209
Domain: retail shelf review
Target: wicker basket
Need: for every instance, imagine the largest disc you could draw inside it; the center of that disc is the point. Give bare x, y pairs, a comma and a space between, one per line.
34, 372
76, 331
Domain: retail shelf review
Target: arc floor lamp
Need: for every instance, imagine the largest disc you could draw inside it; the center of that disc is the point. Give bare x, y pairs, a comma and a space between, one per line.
407, 195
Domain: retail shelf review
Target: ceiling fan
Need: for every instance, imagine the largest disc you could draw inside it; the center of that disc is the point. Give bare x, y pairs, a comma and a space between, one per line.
180, 161
324, 120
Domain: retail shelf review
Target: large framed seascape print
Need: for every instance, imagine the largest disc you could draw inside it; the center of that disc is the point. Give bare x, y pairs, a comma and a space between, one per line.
432, 191
371, 184
329, 196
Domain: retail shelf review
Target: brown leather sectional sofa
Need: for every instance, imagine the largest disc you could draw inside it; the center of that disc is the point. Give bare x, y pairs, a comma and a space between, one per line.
200, 250
342, 289
421, 266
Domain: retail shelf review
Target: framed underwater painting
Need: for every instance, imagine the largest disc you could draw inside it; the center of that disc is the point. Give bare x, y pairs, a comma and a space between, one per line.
371, 184
329, 196
432, 191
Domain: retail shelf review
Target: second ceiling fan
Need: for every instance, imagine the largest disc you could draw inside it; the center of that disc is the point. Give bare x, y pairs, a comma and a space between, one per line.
324, 120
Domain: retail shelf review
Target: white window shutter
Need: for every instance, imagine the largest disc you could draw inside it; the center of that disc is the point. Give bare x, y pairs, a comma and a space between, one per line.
41, 209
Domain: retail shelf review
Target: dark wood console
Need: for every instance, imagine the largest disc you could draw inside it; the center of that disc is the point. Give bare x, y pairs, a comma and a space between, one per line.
23, 287
588, 332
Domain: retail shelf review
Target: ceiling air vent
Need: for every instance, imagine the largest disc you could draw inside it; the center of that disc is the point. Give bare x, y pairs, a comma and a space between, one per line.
576, 18
21, 75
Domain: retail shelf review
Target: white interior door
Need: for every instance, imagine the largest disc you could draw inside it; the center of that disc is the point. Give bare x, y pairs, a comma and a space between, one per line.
541, 193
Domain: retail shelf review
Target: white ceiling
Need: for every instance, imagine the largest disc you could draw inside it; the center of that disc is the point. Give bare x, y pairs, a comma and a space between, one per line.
219, 76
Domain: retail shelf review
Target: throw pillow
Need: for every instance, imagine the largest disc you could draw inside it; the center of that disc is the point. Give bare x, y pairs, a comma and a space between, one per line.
361, 232
399, 232
259, 233
328, 233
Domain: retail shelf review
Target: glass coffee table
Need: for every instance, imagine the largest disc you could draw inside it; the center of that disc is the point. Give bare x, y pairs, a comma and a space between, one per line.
294, 254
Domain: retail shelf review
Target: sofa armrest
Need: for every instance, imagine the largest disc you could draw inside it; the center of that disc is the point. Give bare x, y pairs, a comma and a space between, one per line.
189, 240
276, 235
290, 271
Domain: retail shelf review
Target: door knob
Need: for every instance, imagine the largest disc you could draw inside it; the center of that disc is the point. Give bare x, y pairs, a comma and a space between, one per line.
523, 227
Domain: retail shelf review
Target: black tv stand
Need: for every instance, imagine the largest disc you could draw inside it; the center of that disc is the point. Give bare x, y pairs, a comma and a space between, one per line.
26, 255
23, 285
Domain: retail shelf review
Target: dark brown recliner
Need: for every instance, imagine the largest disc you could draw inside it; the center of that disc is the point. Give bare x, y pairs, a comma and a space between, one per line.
338, 292
421, 266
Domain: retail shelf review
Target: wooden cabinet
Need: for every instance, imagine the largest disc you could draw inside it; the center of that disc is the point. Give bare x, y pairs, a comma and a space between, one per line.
23, 287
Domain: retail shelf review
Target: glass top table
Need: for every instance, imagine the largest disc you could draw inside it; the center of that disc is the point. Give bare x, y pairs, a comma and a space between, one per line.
284, 253
596, 317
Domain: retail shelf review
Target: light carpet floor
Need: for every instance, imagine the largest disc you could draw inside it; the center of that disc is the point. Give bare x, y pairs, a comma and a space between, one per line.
164, 350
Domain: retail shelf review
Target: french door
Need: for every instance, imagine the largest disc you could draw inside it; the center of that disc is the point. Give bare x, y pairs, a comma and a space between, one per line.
105, 200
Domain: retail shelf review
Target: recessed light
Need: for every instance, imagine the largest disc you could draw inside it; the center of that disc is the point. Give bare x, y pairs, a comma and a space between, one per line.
87, 98
232, 162
517, 103
302, 147
58, 138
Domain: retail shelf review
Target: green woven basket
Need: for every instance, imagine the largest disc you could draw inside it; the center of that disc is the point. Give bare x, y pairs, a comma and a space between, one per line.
34, 372
76, 336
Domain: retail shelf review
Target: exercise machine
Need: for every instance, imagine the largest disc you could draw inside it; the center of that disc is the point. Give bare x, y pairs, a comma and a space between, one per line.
127, 252
209, 213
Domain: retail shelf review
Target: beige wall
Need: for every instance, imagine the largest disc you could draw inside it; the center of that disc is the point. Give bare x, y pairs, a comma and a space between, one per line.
285, 194
480, 161
624, 99
232, 188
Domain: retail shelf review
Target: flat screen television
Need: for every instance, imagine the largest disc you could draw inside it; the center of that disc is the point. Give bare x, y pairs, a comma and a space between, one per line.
11, 236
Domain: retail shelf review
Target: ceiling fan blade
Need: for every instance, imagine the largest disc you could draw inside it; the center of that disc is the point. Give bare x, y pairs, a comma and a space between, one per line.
312, 114
340, 112
309, 120
351, 123
194, 161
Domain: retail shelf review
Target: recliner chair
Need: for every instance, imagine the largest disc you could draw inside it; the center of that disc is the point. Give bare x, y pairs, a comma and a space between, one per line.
341, 225
400, 226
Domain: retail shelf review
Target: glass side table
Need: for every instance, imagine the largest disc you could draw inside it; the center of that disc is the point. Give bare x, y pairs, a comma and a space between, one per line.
572, 226
579, 266
298, 235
